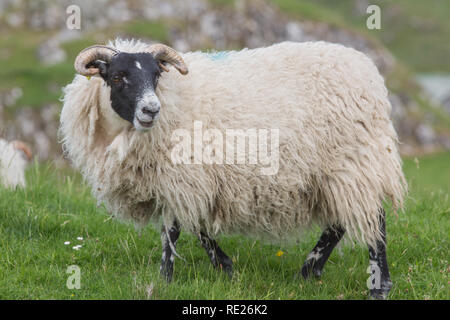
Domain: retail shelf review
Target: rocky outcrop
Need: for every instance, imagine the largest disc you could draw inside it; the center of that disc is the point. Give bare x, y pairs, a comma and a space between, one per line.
193, 25
38, 127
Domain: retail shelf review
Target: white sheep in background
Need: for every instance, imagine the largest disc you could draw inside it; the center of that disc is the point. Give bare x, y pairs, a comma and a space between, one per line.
338, 158
14, 157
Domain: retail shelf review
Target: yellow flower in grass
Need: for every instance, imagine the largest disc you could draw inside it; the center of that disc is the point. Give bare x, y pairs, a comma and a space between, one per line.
279, 253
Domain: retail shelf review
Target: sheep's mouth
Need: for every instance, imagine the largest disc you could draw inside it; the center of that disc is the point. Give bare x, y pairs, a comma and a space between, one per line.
143, 122
146, 124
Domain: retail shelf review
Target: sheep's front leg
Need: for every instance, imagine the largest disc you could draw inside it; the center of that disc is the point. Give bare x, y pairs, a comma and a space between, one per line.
380, 281
218, 258
169, 237
319, 255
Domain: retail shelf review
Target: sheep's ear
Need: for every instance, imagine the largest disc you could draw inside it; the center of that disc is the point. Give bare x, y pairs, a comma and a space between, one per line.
102, 67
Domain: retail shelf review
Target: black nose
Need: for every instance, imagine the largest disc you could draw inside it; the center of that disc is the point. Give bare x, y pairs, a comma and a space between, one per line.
150, 111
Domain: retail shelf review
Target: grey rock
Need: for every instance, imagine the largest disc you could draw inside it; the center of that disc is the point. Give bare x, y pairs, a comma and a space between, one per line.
15, 20
425, 134
10, 97
437, 87
294, 31
50, 53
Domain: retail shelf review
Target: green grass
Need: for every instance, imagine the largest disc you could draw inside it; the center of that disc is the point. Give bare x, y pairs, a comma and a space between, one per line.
117, 262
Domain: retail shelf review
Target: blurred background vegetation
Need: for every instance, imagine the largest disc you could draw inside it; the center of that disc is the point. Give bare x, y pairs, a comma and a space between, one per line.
411, 50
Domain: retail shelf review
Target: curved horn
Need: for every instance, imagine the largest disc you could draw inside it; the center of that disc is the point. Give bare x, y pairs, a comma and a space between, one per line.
90, 54
19, 145
169, 55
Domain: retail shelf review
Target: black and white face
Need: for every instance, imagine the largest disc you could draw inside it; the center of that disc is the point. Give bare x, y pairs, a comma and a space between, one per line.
133, 78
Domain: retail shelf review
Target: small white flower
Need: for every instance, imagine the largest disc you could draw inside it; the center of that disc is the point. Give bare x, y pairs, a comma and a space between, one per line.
77, 247
67, 242
80, 238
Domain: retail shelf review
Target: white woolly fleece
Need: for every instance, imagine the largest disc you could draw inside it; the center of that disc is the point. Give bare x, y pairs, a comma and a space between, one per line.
338, 148
12, 165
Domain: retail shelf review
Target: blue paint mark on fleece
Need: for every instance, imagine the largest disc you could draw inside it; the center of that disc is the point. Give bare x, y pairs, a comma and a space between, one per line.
218, 55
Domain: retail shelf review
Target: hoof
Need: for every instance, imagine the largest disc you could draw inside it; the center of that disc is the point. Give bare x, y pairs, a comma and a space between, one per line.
228, 270
227, 267
166, 275
381, 294
309, 270
378, 294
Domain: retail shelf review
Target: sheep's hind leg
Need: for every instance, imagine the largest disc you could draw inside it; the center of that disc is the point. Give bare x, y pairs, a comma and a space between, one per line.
169, 239
380, 281
218, 258
319, 255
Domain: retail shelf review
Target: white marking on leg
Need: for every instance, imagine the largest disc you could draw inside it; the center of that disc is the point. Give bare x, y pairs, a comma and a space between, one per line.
315, 254
212, 254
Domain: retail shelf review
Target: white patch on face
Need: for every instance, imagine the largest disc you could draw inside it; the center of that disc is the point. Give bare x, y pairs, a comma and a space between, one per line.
138, 65
149, 100
125, 80
150, 103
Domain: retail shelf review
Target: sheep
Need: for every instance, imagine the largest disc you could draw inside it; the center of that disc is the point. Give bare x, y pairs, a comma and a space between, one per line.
125, 117
14, 158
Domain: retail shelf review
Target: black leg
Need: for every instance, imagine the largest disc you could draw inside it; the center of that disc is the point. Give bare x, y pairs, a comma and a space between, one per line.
319, 255
168, 256
218, 258
380, 281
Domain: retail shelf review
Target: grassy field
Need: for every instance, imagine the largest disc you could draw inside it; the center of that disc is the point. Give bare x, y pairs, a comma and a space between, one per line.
117, 262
